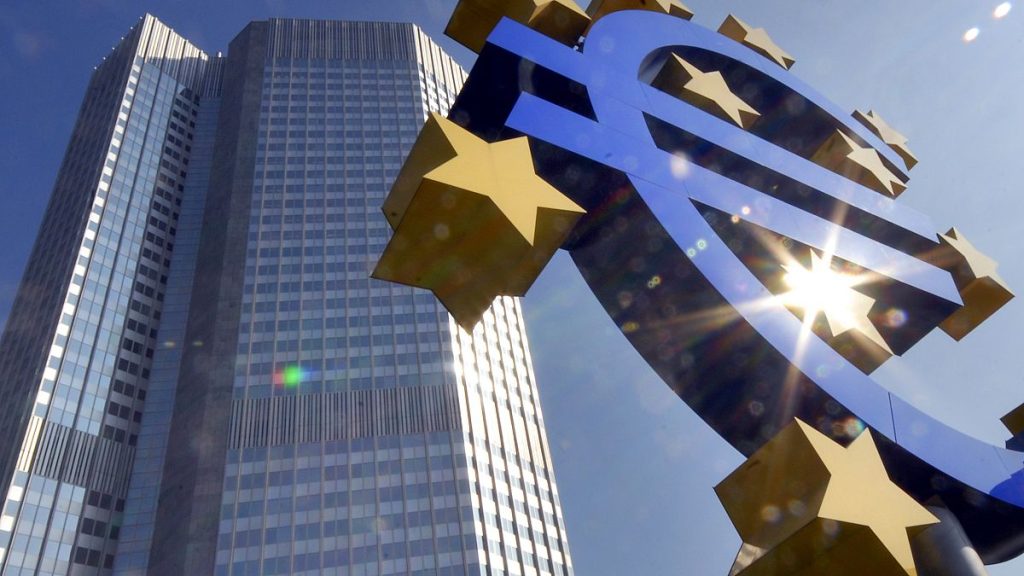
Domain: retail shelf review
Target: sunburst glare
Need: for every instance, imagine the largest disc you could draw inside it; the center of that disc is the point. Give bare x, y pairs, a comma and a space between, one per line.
821, 289
846, 311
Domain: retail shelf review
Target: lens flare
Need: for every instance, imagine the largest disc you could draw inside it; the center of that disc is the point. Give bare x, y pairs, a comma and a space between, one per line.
853, 427
819, 289
679, 164
771, 514
971, 34
441, 232
1002, 10
289, 376
895, 317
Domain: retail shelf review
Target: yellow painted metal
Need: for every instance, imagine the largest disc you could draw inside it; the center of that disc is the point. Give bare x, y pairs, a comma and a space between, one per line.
601, 8
895, 140
472, 220
434, 146
757, 39
705, 90
473, 20
805, 505
842, 155
976, 278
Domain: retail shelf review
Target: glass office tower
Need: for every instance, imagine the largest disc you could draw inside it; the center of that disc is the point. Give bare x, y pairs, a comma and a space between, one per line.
76, 353
286, 413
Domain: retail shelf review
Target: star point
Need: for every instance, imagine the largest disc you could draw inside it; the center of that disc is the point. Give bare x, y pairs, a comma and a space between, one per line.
705, 90
830, 510
1014, 421
473, 20
895, 140
977, 264
845, 157
601, 8
977, 280
757, 39
472, 220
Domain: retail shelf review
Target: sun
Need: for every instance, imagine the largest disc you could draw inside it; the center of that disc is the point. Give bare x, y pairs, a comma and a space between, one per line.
820, 289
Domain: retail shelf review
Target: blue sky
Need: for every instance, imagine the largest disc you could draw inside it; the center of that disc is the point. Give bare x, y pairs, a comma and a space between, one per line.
635, 466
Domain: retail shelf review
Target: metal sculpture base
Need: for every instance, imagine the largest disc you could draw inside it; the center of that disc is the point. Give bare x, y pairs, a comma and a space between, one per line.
944, 550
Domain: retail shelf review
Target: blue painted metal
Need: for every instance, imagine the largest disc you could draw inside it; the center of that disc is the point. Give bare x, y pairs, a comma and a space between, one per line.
710, 326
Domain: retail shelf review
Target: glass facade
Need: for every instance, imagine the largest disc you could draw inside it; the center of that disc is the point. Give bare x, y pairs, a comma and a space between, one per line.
141, 500
122, 180
226, 390
332, 135
349, 476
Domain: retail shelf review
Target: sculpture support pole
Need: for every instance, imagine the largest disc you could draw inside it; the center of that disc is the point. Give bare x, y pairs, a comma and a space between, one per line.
944, 550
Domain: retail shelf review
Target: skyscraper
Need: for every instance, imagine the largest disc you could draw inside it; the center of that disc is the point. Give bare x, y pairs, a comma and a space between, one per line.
202, 376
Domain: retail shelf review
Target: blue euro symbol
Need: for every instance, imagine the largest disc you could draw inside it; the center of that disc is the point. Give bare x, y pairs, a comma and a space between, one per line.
662, 182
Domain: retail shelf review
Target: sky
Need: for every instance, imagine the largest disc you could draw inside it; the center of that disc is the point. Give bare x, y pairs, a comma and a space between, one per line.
635, 466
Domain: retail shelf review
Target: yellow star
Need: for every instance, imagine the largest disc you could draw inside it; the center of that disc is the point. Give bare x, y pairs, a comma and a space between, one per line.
503, 171
848, 327
894, 139
978, 265
863, 165
976, 278
472, 220
803, 502
601, 8
756, 39
705, 90
860, 492
473, 20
